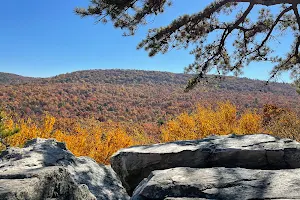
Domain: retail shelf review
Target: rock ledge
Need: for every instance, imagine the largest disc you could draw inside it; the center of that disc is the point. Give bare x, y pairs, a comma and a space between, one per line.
258, 151
45, 168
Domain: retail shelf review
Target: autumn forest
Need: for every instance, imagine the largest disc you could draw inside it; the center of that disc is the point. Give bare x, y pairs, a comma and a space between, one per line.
97, 112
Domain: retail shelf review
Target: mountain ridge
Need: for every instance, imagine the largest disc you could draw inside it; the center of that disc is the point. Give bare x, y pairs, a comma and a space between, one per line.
11, 77
135, 95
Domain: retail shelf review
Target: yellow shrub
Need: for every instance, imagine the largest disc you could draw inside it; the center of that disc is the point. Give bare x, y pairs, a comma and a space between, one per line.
249, 122
28, 130
219, 120
87, 140
286, 125
206, 120
111, 142
181, 128
91, 138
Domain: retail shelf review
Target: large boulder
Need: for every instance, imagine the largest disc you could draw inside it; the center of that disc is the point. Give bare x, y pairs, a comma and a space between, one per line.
23, 165
219, 183
258, 151
44, 183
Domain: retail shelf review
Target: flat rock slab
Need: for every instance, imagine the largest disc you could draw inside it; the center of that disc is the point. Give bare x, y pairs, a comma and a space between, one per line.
45, 183
100, 180
186, 198
259, 151
219, 183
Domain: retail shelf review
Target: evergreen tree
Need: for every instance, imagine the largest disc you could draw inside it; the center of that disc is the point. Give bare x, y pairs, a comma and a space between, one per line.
250, 37
4, 130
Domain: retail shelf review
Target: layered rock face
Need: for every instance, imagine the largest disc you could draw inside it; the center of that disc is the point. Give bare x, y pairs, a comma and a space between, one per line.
249, 167
43, 183
220, 183
45, 169
218, 167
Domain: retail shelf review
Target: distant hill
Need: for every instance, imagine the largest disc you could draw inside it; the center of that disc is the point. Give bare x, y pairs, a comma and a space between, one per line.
8, 78
121, 77
149, 77
133, 95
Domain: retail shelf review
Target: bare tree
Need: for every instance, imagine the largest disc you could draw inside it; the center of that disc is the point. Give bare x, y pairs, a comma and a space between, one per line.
251, 39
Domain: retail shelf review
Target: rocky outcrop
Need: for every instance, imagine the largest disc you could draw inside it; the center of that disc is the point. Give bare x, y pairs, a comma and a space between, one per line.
249, 151
44, 183
45, 168
249, 167
220, 183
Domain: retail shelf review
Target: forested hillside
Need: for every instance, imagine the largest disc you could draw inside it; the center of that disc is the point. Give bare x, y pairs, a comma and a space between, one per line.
8, 78
132, 95
97, 112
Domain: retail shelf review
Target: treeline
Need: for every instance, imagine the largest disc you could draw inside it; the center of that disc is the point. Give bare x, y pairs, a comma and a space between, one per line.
99, 140
134, 96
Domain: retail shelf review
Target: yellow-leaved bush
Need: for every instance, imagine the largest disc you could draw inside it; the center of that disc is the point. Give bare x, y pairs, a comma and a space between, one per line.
90, 139
99, 140
207, 120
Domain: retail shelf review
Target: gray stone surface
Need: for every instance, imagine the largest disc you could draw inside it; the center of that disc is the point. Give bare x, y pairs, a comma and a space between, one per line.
258, 151
40, 153
220, 183
186, 198
44, 183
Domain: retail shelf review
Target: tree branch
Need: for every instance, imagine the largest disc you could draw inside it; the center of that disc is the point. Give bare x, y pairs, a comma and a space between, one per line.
298, 40
273, 26
252, 43
268, 2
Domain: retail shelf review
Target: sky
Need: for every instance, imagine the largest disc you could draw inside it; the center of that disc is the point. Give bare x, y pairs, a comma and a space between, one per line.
45, 38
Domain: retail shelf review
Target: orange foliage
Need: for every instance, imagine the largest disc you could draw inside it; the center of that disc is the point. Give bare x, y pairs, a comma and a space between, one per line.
87, 140
282, 122
206, 120
100, 140
132, 96
249, 122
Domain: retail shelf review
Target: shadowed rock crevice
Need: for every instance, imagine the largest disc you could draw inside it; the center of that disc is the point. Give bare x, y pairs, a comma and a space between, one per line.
219, 183
249, 167
260, 151
45, 183
26, 166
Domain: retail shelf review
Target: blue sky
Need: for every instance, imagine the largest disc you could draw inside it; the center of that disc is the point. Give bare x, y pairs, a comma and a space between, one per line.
45, 38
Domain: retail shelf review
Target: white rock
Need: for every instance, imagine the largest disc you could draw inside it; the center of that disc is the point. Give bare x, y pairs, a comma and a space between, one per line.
100, 180
258, 151
219, 183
